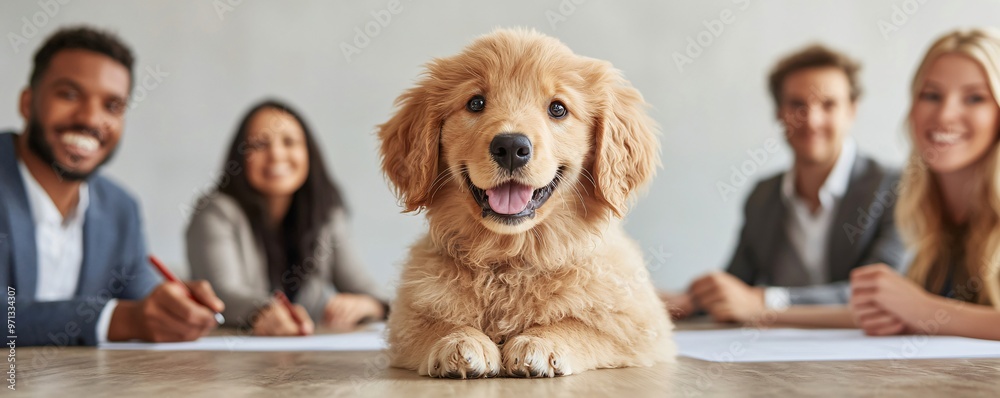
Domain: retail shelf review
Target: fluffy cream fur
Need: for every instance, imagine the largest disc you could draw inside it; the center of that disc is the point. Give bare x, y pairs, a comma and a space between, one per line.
561, 293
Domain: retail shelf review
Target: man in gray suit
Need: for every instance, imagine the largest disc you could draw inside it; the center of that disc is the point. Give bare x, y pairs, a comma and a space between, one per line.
807, 228
72, 253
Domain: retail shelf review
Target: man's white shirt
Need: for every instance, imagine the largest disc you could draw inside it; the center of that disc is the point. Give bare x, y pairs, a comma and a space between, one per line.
808, 232
59, 247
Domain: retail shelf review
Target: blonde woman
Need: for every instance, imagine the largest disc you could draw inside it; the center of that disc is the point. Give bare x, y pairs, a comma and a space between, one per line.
949, 205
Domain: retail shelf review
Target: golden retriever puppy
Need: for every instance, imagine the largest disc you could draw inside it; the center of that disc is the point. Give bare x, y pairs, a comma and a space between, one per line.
525, 157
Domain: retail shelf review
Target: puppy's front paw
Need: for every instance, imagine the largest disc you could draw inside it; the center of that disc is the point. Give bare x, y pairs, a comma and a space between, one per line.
530, 356
463, 355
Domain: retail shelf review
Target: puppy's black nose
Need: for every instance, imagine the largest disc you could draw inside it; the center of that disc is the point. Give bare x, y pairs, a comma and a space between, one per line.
511, 150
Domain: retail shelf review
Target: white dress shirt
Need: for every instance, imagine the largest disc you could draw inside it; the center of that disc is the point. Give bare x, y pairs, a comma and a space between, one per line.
809, 232
59, 247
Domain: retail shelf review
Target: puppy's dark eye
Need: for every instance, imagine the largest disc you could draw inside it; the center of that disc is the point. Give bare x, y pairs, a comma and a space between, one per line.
557, 110
476, 104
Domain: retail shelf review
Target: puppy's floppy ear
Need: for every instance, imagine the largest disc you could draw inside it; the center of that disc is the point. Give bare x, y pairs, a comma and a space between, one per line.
410, 143
626, 150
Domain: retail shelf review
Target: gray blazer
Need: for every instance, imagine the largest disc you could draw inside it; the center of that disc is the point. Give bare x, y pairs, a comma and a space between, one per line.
222, 248
863, 232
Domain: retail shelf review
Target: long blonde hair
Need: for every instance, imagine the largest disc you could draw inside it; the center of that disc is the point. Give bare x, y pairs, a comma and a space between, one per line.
920, 212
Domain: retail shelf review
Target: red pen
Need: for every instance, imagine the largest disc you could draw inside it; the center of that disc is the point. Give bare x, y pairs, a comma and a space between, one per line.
169, 276
280, 296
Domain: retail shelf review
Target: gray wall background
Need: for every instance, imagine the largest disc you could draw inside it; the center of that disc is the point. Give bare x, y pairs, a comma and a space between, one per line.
215, 58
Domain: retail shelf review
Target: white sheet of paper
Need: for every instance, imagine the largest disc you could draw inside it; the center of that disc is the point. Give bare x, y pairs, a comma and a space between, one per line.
786, 345
370, 339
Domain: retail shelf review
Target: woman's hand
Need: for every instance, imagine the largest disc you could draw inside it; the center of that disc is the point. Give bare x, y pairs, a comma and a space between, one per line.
276, 320
345, 310
883, 302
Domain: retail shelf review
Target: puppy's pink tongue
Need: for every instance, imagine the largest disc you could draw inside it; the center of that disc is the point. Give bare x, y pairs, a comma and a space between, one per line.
509, 198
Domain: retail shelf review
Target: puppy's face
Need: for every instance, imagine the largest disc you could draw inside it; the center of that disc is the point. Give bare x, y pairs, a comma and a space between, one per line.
516, 128
517, 137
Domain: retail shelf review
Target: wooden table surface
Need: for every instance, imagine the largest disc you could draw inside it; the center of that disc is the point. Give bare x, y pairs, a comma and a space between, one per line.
82, 372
